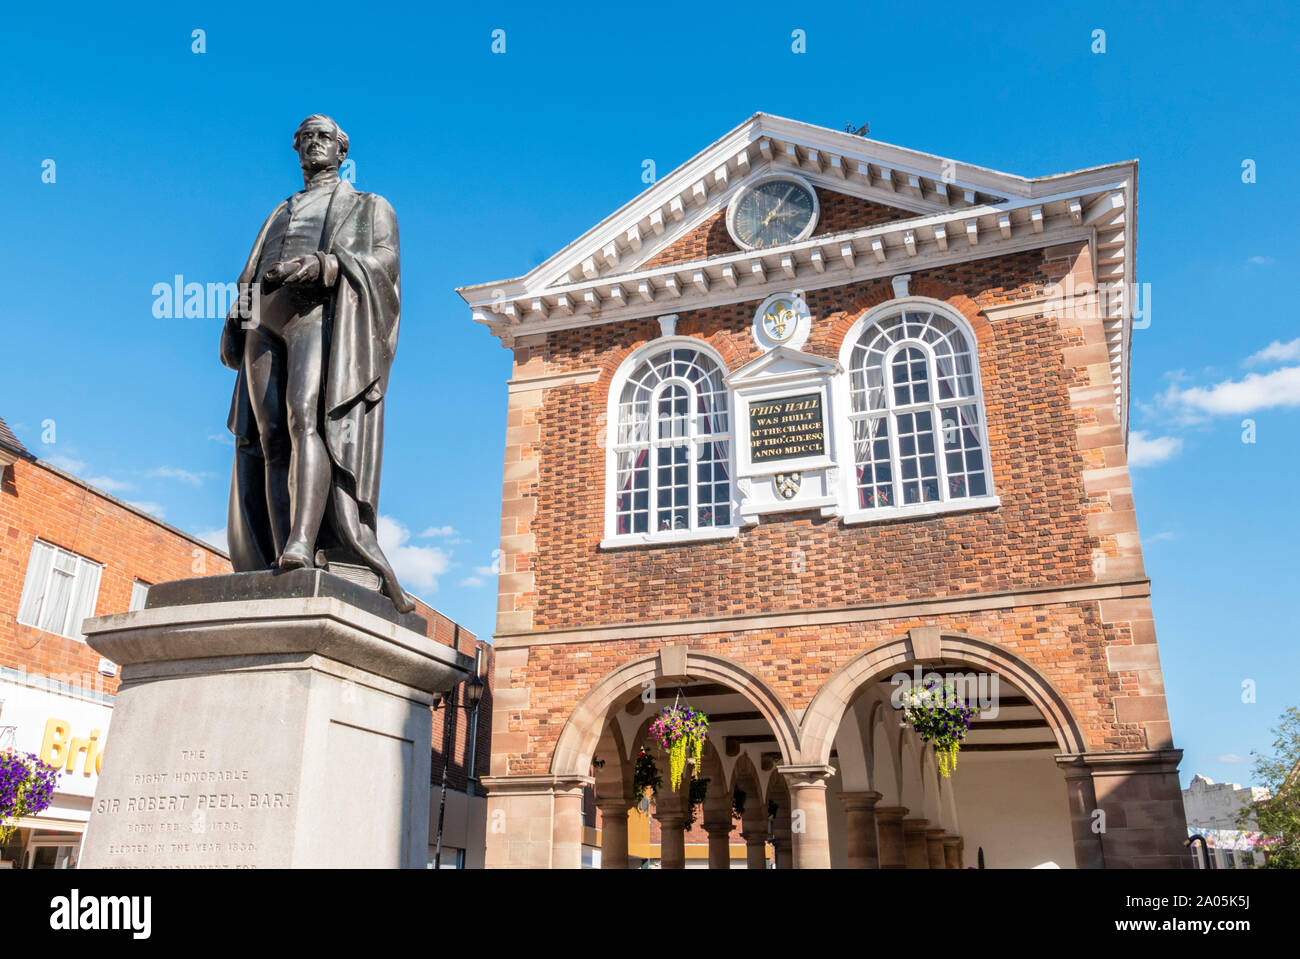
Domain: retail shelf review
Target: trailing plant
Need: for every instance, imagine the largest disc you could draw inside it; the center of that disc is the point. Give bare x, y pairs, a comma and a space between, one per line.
679, 730
699, 791
26, 788
737, 803
645, 776
938, 717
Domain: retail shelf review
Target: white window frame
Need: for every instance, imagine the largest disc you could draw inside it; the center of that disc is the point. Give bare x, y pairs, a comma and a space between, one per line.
72, 617
139, 588
853, 514
613, 539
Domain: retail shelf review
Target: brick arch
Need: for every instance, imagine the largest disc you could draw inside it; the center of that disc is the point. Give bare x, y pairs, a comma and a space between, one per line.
581, 734
940, 293
822, 718
957, 300
718, 342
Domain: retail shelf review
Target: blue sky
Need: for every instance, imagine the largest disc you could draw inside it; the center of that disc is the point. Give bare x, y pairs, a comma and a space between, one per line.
166, 162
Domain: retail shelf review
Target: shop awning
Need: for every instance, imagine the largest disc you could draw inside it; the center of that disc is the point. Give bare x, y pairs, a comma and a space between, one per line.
57, 825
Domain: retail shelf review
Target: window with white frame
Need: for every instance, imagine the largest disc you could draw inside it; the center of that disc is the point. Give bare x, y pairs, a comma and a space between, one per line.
139, 593
916, 414
671, 447
60, 590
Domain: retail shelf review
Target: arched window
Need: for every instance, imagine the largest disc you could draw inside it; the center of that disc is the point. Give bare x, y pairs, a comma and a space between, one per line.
915, 414
671, 447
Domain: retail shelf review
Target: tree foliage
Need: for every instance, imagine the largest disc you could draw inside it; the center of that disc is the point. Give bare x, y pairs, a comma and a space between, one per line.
1278, 816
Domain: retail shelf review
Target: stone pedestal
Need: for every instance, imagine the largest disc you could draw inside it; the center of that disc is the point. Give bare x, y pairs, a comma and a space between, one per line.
889, 827
672, 841
914, 847
719, 844
952, 852
934, 848
860, 829
755, 849
282, 731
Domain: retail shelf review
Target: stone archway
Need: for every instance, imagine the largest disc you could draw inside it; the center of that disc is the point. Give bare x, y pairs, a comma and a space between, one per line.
822, 718
611, 722
581, 734
913, 811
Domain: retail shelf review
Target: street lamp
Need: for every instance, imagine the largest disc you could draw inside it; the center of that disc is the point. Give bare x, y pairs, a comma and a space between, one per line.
473, 694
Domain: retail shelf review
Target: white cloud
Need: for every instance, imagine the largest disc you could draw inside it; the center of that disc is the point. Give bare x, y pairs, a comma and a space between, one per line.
1157, 537
1147, 451
66, 463
108, 484
1275, 352
1231, 758
153, 509
176, 473
1260, 260
440, 531
225, 439
1254, 391
214, 537
471, 581
416, 566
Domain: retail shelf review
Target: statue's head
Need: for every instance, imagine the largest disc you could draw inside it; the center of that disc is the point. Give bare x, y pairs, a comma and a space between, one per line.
320, 142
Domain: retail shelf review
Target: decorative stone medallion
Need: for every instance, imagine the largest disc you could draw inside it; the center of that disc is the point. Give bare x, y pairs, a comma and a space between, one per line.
782, 320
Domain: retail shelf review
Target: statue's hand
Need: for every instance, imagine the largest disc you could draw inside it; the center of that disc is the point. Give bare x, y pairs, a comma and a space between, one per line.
301, 269
298, 270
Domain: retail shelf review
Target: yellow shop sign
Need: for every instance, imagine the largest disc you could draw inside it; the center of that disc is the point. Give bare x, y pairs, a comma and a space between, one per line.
59, 748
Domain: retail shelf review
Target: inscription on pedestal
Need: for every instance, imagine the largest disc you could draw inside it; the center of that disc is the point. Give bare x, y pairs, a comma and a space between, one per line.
198, 814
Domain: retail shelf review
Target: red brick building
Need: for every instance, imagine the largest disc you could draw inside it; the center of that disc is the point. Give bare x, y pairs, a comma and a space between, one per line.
810, 418
69, 551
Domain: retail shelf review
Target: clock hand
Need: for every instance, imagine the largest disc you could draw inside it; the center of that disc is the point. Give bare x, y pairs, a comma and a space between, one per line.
779, 204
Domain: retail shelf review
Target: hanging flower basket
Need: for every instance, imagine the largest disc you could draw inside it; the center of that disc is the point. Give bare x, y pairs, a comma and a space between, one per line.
679, 730
645, 778
26, 788
699, 791
938, 717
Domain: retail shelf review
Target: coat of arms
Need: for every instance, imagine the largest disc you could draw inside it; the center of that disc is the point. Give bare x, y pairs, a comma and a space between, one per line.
787, 484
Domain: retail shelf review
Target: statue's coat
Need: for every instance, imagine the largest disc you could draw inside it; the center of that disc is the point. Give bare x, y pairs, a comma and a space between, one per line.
360, 330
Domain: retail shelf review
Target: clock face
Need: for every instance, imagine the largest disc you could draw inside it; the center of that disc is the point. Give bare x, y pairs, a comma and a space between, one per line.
773, 212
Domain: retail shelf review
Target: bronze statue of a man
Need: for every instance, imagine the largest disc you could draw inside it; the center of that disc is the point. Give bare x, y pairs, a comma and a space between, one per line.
313, 364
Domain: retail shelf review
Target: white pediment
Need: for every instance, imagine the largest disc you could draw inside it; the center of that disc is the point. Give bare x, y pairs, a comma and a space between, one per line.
781, 365
959, 213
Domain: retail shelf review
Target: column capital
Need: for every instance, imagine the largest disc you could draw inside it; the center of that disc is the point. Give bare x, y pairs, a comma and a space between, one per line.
915, 825
754, 837
861, 800
1119, 761
891, 813
806, 775
535, 785
935, 833
671, 820
716, 828
614, 807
